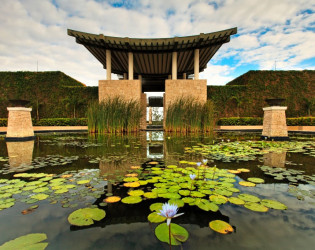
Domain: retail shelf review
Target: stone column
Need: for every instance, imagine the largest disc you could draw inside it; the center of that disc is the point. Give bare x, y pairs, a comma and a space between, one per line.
196, 64
150, 115
125, 76
108, 65
130, 65
184, 75
143, 120
274, 124
174, 65
20, 127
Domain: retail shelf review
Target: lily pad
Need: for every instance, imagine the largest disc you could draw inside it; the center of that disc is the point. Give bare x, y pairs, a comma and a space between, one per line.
221, 227
236, 201
29, 241
136, 192
131, 199
273, 204
86, 216
150, 195
40, 196
156, 218
256, 180
248, 198
207, 205
178, 234
247, 184
132, 184
112, 199
256, 207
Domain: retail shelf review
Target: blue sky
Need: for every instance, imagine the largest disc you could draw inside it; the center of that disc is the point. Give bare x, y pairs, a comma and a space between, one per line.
270, 33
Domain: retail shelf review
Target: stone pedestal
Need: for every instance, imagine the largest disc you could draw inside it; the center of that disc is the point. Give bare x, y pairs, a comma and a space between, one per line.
274, 124
20, 126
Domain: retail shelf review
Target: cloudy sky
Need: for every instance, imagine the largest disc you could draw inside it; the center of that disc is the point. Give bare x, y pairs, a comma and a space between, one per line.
271, 33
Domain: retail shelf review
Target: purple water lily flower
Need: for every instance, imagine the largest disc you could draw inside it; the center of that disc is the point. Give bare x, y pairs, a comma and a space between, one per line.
205, 161
169, 211
198, 164
192, 176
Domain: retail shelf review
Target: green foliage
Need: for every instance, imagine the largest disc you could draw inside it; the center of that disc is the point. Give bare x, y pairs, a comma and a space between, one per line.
186, 115
245, 95
51, 94
3, 122
237, 121
61, 122
114, 115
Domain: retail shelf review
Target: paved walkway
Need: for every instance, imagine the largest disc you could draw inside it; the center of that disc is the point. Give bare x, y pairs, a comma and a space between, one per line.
42, 129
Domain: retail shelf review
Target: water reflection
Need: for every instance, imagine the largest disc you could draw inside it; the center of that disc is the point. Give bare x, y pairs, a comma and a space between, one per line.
273, 159
20, 154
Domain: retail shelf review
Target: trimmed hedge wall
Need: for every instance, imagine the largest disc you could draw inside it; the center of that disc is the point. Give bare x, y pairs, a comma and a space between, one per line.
251, 121
53, 122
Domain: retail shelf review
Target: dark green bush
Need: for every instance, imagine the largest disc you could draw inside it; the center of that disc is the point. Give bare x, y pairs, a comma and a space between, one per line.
61, 122
301, 121
249, 121
237, 121
3, 122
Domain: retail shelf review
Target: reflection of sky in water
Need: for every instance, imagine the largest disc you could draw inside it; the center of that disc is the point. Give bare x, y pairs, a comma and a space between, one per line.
290, 229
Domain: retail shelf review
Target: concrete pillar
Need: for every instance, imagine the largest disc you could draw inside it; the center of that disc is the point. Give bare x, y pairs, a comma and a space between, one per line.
174, 65
143, 120
130, 65
125, 76
184, 76
108, 65
150, 115
274, 124
196, 64
20, 127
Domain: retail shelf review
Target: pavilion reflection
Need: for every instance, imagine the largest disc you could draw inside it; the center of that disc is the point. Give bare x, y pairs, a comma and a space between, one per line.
274, 159
20, 154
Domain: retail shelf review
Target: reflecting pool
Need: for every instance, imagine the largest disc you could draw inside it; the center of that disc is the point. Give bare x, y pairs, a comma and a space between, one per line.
264, 190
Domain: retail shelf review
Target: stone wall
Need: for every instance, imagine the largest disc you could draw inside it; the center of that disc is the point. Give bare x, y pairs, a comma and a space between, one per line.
126, 89
175, 89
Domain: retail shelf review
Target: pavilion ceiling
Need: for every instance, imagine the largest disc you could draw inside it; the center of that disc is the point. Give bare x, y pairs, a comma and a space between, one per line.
153, 57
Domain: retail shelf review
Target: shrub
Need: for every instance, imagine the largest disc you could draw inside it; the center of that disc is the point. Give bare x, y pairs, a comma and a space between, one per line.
3, 122
61, 122
235, 121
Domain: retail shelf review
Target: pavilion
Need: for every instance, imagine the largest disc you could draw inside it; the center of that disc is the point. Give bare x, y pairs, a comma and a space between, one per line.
154, 65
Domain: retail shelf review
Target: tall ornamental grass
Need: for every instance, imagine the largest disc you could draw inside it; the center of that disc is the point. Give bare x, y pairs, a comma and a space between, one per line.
187, 115
114, 115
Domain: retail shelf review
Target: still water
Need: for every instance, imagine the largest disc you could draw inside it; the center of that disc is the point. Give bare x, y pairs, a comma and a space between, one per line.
288, 172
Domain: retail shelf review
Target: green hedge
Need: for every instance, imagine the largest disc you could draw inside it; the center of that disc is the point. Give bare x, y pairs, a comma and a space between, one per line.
301, 121
249, 121
235, 121
53, 122
3, 122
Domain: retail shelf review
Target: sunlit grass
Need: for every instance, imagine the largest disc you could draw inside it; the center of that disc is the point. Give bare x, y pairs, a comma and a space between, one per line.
114, 115
188, 115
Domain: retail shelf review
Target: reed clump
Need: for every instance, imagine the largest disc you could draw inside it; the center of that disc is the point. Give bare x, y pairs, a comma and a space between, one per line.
186, 115
114, 115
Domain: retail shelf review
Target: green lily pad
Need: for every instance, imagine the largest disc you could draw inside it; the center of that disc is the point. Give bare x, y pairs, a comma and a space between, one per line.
170, 196
40, 190
40, 196
273, 204
236, 201
29, 241
131, 199
248, 198
184, 192
83, 181
136, 192
247, 184
207, 205
256, 180
150, 195
178, 234
221, 227
6, 205
131, 179
218, 199
256, 207
177, 202
156, 218
86, 216
156, 206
